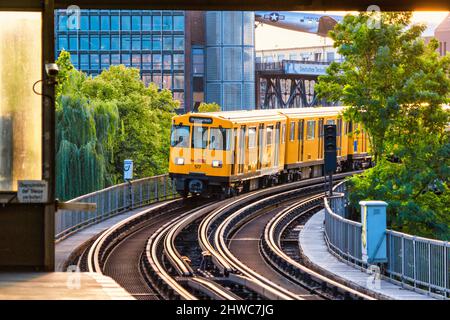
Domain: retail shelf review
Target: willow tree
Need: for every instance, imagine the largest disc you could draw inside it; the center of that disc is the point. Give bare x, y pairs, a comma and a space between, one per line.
395, 86
85, 132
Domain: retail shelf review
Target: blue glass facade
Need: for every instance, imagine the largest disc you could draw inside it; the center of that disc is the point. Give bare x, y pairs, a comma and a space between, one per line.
151, 40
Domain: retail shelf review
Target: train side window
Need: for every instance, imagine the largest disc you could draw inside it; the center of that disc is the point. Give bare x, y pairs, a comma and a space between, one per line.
199, 137
252, 137
283, 133
330, 121
292, 131
339, 127
300, 129
180, 136
310, 130
269, 133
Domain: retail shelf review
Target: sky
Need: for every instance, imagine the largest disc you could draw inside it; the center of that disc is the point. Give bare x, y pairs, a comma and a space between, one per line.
268, 37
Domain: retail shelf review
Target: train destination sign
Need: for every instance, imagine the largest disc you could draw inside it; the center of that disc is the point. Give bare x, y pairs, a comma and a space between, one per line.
200, 120
32, 191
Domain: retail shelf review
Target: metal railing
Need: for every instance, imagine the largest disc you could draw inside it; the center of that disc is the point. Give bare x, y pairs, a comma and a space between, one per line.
112, 201
419, 263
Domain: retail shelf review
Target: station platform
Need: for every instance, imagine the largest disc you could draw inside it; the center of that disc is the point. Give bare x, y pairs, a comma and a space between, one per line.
312, 243
71, 245
60, 286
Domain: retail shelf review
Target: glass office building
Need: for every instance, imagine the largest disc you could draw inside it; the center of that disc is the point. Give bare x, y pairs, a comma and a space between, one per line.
200, 56
151, 40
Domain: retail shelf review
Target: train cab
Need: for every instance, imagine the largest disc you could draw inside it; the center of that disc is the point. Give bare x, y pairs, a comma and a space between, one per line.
225, 152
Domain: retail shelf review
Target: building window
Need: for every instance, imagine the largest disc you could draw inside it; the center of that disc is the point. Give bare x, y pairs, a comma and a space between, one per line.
94, 23
146, 45
62, 23
198, 64
136, 43
62, 43
105, 61
74, 60
156, 43
136, 61
178, 23
136, 23
157, 62
178, 61
179, 96
167, 43
178, 82
146, 61
115, 59
126, 59
105, 23
157, 23
126, 23
126, 42
115, 43
84, 22
95, 63
105, 43
94, 43
167, 23
115, 23
146, 23
84, 43
178, 43
157, 79
167, 62
167, 81
146, 78
84, 62
73, 42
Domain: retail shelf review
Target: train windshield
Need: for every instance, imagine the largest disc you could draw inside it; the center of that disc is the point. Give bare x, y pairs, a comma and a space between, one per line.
180, 136
199, 137
220, 139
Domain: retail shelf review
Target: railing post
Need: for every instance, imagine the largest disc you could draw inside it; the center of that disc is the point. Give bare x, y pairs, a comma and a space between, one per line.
156, 190
414, 259
429, 266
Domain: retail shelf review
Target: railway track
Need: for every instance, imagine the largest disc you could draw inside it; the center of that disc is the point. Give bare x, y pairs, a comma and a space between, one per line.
240, 239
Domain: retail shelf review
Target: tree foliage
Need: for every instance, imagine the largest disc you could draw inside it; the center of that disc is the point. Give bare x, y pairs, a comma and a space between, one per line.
395, 85
104, 120
208, 107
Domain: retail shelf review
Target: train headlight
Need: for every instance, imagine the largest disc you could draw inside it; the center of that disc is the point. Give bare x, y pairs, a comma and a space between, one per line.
179, 161
217, 164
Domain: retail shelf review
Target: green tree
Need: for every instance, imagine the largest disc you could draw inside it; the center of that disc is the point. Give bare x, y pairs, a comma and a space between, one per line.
208, 107
145, 119
395, 85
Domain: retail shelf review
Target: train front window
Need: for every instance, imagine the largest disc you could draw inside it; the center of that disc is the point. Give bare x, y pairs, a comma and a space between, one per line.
220, 139
199, 137
180, 136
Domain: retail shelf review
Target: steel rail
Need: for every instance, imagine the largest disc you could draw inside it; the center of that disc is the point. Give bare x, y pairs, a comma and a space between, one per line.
272, 241
96, 254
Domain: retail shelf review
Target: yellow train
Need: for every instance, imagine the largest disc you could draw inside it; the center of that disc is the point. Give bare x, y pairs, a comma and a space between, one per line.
229, 152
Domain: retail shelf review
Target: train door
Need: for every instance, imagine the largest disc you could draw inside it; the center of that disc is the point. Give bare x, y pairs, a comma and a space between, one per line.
234, 156
260, 146
277, 145
320, 146
339, 137
268, 155
301, 124
242, 149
